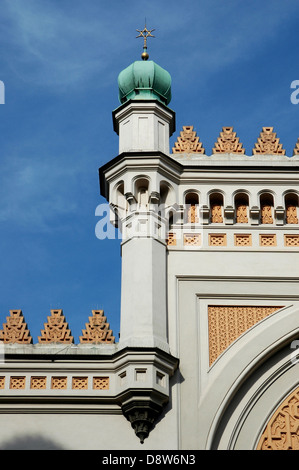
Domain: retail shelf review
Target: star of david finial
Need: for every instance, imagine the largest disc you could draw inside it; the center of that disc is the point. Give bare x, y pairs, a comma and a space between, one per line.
145, 33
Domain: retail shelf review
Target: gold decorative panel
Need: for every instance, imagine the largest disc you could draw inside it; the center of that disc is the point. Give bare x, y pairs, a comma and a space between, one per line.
268, 240
228, 142
192, 239
282, 431
101, 383
216, 214
192, 214
38, 383
217, 239
243, 239
59, 383
188, 142
268, 143
17, 383
80, 383
2, 382
227, 323
291, 240
291, 215
242, 214
171, 240
266, 214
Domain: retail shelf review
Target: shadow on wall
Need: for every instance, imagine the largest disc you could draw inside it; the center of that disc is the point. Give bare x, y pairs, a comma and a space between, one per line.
30, 443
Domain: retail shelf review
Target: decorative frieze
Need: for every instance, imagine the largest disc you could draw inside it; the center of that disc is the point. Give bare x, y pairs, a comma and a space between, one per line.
281, 432
227, 323
97, 330
228, 142
268, 143
188, 142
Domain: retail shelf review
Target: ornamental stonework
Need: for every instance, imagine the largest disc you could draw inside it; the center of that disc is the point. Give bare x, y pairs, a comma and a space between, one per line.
56, 329
291, 214
241, 214
268, 143
282, 431
296, 149
97, 330
228, 142
188, 142
227, 323
15, 329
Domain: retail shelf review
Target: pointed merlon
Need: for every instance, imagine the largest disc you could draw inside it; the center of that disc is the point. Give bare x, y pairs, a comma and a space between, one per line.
268, 143
15, 329
56, 329
188, 142
296, 149
228, 142
97, 329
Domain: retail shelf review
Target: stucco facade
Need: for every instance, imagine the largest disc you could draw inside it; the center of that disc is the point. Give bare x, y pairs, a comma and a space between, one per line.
209, 305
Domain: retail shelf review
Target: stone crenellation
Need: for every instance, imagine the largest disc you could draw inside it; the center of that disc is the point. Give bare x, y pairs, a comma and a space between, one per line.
56, 330
228, 143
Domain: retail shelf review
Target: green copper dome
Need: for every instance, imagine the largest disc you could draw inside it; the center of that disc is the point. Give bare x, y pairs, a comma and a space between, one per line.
144, 80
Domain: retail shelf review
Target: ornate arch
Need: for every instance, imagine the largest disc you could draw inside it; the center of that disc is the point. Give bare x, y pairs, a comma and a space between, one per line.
282, 430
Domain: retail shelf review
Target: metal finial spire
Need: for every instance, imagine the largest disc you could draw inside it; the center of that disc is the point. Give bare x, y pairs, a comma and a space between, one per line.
145, 33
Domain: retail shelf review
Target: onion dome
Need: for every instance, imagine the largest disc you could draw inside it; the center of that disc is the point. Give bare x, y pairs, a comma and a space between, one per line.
144, 80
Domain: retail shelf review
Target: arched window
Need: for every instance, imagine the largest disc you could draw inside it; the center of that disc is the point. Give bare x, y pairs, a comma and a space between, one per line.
241, 204
216, 208
291, 205
192, 203
141, 193
267, 205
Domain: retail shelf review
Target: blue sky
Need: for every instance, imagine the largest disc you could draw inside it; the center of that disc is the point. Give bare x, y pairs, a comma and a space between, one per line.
232, 63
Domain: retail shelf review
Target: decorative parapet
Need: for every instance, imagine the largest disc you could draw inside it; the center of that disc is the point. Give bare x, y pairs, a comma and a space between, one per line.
15, 329
188, 142
228, 142
97, 330
296, 149
56, 330
268, 143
